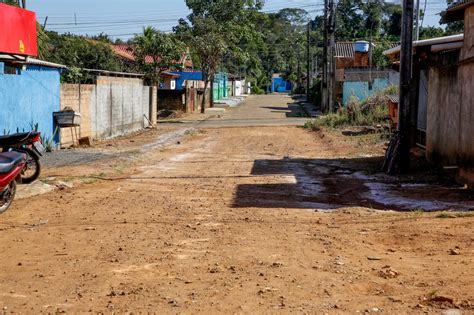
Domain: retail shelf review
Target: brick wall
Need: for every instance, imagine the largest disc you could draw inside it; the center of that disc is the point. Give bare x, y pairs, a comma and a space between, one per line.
77, 97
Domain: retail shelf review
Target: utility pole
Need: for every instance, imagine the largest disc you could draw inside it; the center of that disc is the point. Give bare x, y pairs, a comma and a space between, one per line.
324, 83
417, 32
45, 22
398, 153
332, 44
308, 61
298, 82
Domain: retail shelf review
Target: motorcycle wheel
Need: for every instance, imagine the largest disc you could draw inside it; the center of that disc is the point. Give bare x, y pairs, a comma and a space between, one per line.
32, 168
7, 197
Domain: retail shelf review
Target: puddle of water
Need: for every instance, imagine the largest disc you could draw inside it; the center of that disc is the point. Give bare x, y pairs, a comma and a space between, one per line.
387, 194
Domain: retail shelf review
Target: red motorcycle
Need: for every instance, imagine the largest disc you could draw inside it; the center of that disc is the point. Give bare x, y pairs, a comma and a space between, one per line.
25, 143
12, 164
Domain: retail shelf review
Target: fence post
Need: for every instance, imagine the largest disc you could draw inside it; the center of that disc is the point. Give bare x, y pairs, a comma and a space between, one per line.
153, 110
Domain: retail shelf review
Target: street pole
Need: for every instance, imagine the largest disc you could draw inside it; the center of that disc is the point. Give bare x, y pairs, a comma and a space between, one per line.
324, 85
406, 61
308, 62
324, 82
332, 44
417, 32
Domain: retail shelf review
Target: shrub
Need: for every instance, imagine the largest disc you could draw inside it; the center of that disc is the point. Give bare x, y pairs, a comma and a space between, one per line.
372, 111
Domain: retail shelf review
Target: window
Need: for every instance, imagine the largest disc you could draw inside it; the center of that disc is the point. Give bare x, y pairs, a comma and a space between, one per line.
10, 69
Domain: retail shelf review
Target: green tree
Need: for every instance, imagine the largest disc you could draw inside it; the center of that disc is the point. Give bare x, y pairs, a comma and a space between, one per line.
215, 28
156, 52
78, 52
349, 20
453, 28
392, 21
431, 32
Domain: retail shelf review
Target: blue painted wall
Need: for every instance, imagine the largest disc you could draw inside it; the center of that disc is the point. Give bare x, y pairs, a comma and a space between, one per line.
187, 76
361, 90
29, 97
280, 85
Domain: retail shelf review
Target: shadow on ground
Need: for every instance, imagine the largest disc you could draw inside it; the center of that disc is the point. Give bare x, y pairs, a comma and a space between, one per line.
334, 183
292, 111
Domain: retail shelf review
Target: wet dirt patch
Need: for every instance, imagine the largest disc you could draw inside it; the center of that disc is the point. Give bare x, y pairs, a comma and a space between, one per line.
334, 183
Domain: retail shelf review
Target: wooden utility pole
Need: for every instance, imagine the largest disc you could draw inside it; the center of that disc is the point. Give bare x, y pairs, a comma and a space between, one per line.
398, 153
324, 83
332, 68
308, 61
406, 62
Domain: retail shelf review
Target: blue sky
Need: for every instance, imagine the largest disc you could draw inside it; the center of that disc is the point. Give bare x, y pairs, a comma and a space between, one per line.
123, 18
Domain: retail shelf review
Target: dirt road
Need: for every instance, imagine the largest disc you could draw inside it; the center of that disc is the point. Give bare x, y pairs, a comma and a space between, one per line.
249, 220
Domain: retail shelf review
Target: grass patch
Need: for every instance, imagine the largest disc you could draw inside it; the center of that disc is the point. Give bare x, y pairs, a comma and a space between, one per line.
454, 215
418, 211
370, 112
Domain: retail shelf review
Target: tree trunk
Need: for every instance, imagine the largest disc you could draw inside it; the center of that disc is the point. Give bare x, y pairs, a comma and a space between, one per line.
203, 105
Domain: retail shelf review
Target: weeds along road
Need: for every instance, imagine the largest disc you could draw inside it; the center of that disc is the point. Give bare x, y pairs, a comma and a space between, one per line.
259, 219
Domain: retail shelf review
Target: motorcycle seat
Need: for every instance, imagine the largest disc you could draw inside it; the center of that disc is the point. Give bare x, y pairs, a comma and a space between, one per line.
10, 160
14, 138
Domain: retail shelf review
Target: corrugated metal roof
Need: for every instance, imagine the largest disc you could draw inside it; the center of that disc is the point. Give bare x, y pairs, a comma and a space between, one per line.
37, 62
394, 98
458, 4
30, 61
427, 42
455, 11
346, 49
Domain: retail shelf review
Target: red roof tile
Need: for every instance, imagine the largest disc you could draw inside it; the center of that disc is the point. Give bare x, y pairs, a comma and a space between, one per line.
126, 52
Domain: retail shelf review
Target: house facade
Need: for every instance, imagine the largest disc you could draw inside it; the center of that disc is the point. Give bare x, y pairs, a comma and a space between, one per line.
355, 77
29, 94
442, 94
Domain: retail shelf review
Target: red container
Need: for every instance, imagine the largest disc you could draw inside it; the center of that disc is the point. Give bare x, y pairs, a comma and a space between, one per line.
17, 31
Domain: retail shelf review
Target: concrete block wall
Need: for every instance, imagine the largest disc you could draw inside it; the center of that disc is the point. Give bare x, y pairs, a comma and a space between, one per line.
120, 107
111, 107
